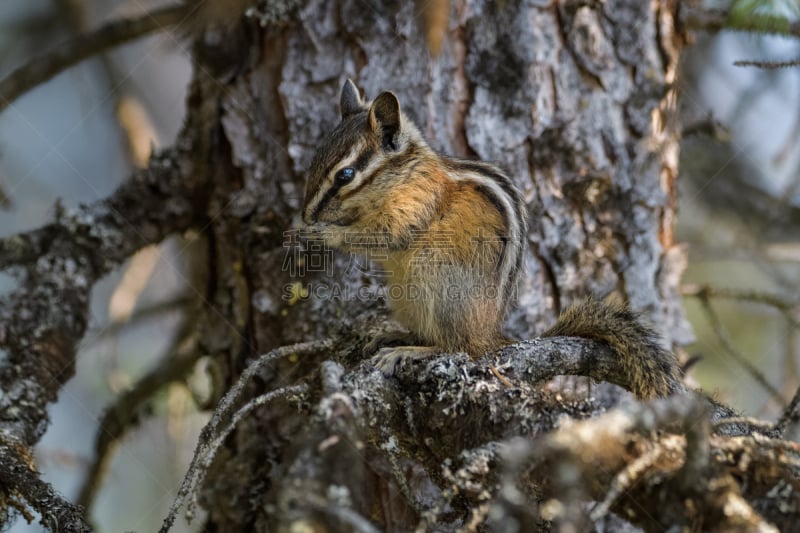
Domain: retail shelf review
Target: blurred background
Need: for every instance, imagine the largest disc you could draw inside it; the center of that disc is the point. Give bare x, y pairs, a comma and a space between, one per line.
740, 214
75, 138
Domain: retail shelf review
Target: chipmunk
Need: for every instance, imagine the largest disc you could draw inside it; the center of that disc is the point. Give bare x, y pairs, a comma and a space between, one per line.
451, 234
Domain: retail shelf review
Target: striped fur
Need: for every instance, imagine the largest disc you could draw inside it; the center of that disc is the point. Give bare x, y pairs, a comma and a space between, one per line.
452, 230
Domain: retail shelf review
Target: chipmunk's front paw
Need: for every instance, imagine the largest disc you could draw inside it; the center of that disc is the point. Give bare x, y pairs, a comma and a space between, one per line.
388, 360
389, 339
330, 234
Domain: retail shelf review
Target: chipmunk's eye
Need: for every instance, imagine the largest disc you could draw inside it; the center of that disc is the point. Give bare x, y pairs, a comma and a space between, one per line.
346, 175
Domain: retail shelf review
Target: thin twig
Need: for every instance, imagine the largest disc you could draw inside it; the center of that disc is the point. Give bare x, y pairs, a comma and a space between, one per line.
145, 313
714, 20
211, 451
123, 414
787, 305
790, 414
626, 478
728, 346
44, 67
772, 65
208, 433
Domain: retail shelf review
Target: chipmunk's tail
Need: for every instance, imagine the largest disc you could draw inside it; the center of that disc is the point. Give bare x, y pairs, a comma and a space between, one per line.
651, 370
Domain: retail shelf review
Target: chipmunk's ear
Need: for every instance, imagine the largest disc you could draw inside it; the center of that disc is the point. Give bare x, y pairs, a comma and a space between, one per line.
384, 119
350, 103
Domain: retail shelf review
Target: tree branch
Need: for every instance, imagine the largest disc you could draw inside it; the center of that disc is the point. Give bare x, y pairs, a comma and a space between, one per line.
767, 64
715, 20
179, 304
422, 414
42, 321
44, 67
789, 305
56, 512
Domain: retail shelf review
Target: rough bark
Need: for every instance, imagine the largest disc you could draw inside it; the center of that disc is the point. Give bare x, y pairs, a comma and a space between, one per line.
574, 99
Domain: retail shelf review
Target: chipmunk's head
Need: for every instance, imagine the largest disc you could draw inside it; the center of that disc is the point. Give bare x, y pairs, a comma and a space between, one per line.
359, 161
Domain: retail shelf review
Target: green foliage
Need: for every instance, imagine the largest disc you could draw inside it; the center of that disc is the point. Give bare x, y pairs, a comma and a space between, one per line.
764, 16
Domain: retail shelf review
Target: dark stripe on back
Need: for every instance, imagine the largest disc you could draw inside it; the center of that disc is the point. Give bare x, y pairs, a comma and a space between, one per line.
517, 204
491, 172
498, 204
493, 199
